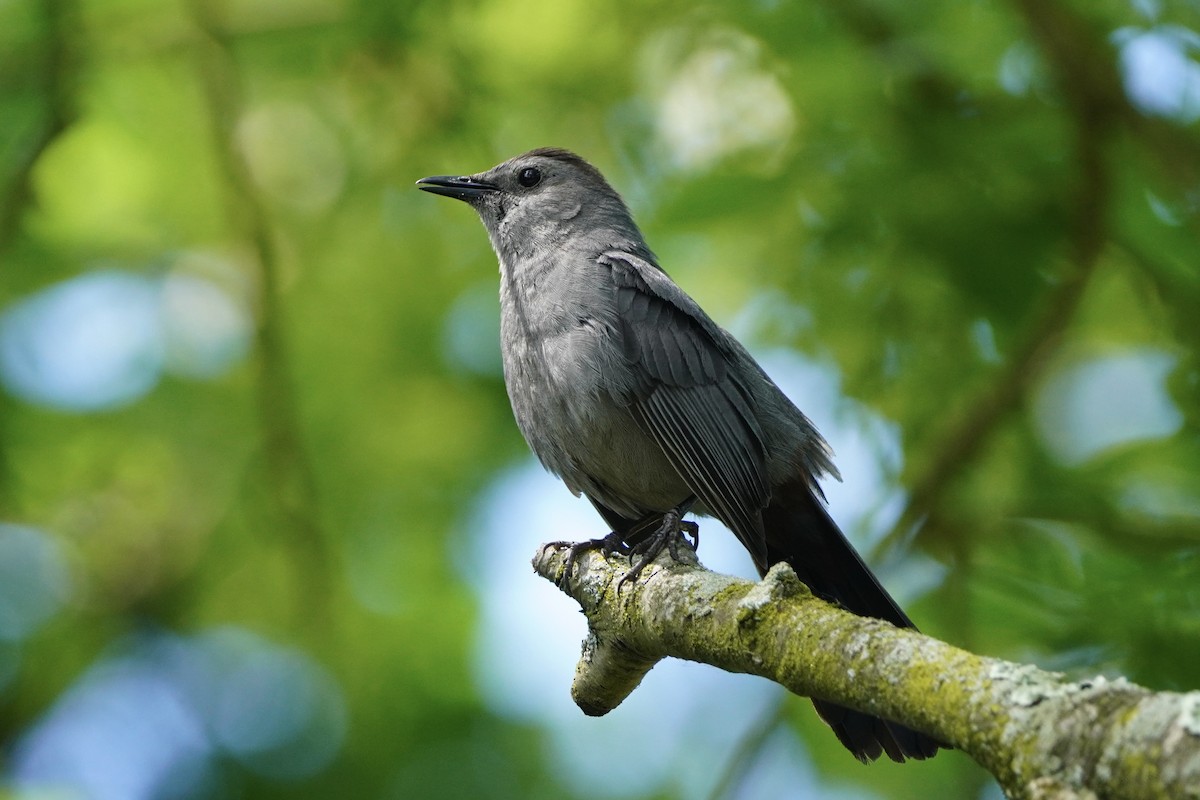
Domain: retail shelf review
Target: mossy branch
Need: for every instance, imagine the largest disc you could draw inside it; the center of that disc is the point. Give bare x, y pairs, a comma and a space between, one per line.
1040, 734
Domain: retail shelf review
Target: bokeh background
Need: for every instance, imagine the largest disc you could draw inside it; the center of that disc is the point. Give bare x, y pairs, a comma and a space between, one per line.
265, 520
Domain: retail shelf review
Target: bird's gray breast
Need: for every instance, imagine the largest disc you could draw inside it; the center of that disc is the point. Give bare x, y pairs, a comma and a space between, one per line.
568, 381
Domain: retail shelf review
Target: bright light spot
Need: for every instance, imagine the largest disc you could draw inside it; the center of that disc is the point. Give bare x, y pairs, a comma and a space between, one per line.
205, 328
1019, 69
125, 731
1089, 407
1162, 210
88, 343
293, 155
1161, 75
1169, 497
769, 317
984, 337
155, 719
271, 707
717, 100
104, 339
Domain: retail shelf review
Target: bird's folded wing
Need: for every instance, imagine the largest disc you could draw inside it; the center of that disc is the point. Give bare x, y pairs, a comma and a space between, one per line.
689, 398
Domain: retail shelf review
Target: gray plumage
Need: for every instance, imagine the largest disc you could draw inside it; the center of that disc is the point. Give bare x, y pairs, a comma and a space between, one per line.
629, 392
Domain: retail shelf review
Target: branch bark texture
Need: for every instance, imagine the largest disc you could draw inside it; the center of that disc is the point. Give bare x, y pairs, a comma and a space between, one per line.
1040, 734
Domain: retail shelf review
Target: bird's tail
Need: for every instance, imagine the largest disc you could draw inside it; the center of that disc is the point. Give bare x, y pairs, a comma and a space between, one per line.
800, 531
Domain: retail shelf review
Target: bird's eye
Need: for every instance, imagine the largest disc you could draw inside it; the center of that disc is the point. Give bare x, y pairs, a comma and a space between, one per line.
529, 177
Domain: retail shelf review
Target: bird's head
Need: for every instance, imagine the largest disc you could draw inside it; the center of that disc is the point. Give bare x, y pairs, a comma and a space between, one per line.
542, 196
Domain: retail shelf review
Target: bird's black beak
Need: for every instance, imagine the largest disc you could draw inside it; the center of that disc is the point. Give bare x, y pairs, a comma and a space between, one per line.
461, 188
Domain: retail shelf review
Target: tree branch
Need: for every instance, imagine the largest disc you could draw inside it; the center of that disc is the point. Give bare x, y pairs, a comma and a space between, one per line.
1038, 733
289, 469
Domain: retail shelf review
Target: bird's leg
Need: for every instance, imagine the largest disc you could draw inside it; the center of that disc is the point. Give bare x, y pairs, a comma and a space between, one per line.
673, 529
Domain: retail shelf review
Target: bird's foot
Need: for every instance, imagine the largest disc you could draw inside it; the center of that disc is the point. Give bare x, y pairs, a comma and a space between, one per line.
607, 545
673, 530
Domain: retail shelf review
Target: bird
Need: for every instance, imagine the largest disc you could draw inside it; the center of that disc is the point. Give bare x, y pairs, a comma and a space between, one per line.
634, 397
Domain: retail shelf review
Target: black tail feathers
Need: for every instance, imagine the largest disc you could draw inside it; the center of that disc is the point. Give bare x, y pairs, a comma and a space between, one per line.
800, 531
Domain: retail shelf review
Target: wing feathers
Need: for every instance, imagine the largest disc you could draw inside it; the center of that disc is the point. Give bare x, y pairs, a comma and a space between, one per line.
688, 399
714, 457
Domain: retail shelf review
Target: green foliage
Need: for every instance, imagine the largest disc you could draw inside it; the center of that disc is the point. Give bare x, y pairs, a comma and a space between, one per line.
991, 241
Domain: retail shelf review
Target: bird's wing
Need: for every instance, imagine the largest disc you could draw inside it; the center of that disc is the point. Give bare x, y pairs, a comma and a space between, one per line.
689, 397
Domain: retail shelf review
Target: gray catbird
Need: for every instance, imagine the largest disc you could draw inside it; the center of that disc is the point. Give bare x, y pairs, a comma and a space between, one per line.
626, 390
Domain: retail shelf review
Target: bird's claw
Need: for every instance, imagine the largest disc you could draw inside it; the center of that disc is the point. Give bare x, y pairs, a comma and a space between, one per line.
607, 545
671, 531
674, 529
